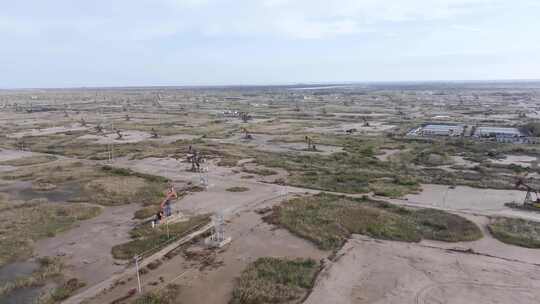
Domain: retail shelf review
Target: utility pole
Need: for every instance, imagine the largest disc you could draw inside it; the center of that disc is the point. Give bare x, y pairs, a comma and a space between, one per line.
137, 259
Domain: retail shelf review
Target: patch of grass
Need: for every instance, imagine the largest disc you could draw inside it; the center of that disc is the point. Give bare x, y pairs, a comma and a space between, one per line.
237, 189
515, 231
274, 280
328, 220
120, 191
18, 228
30, 160
62, 292
348, 172
103, 185
260, 171
129, 172
146, 212
443, 226
168, 295
146, 238
48, 268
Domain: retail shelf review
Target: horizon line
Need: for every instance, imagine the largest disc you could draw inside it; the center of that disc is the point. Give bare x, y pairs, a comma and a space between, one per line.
285, 84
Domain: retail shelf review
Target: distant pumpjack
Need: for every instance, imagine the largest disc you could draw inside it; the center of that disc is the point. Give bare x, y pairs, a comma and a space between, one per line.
99, 129
156, 101
351, 131
247, 135
366, 123
245, 116
195, 159
154, 133
119, 135
310, 144
528, 201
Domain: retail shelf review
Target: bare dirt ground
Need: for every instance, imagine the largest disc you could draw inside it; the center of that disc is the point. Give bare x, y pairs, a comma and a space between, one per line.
263, 142
463, 198
373, 271
374, 128
48, 131
387, 153
521, 160
112, 138
8, 154
86, 249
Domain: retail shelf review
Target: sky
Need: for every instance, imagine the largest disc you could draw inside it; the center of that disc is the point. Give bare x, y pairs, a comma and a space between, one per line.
70, 43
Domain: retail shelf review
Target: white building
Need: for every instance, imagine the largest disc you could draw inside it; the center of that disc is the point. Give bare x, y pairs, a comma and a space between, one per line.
442, 130
497, 132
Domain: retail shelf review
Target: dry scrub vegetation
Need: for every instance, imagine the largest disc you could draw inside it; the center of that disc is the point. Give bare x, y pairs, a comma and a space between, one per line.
18, 229
48, 268
328, 220
167, 295
515, 231
101, 185
29, 160
273, 280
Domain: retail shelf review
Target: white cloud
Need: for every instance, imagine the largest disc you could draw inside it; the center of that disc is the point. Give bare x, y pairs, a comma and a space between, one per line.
313, 19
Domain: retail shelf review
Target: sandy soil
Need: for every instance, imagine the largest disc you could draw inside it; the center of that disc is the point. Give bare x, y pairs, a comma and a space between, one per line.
521, 160
48, 131
111, 138
176, 137
372, 271
460, 161
374, 127
6, 155
263, 142
387, 153
86, 249
463, 198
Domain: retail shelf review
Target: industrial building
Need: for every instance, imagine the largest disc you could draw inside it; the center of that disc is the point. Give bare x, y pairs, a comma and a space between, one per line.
497, 132
438, 130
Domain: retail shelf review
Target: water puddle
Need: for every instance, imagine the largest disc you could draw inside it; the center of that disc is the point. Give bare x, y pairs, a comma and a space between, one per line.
22, 296
23, 191
12, 271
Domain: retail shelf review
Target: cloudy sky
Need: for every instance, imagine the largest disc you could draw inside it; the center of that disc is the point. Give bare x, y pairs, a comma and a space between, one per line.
70, 43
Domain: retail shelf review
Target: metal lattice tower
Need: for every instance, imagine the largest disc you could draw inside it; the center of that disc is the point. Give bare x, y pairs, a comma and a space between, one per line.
219, 229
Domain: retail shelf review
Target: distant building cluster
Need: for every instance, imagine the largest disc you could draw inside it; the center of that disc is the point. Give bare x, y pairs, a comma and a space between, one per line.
499, 134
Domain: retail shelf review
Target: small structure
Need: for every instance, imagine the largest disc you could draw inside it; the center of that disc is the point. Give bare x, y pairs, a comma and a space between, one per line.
441, 130
218, 239
497, 132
